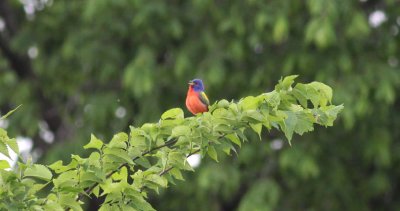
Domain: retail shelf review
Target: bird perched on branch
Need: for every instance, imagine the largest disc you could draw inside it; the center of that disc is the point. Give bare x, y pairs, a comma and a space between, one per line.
196, 100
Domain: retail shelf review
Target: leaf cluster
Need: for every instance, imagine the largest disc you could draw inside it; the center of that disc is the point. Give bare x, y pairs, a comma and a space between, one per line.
124, 170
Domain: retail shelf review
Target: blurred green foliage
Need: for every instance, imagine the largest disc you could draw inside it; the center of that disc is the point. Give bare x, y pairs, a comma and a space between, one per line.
97, 56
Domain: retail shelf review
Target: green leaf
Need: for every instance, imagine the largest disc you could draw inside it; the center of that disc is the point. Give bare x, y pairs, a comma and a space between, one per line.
122, 175
119, 140
68, 200
94, 143
112, 187
4, 164
180, 130
253, 116
330, 113
176, 173
87, 178
257, 128
212, 153
37, 187
223, 128
286, 83
143, 162
159, 180
177, 159
139, 203
299, 122
94, 159
300, 92
318, 93
240, 134
66, 179
58, 166
225, 147
12, 143
223, 104
223, 114
118, 155
10, 112
78, 159
175, 113
126, 207
234, 138
249, 103
4, 149
96, 191
151, 130
38, 171
273, 99
324, 90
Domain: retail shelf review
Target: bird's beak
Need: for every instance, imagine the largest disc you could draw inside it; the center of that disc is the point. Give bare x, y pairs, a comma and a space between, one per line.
191, 83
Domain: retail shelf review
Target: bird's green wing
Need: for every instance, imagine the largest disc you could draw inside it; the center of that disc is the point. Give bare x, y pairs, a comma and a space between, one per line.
204, 98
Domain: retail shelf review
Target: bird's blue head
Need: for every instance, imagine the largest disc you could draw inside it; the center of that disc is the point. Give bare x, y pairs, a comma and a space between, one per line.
197, 85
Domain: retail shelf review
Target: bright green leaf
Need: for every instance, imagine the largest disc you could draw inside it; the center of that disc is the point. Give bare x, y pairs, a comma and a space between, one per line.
68, 200
249, 103
257, 128
4, 164
212, 153
176, 173
118, 155
38, 171
273, 99
234, 139
159, 180
96, 191
286, 82
12, 143
298, 122
174, 113
94, 143
58, 166
119, 140
4, 149
180, 130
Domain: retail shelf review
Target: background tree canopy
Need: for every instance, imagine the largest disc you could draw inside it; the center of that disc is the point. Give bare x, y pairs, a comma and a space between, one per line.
82, 67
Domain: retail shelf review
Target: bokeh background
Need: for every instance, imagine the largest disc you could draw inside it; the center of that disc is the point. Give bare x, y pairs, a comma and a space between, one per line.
98, 66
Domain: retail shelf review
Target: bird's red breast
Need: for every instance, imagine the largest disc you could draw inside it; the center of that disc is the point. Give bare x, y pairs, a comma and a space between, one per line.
194, 103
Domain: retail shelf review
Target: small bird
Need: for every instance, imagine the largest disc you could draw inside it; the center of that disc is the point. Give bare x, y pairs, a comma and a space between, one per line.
196, 100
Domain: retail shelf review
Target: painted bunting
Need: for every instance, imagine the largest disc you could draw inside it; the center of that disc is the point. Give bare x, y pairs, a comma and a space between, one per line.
196, 100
